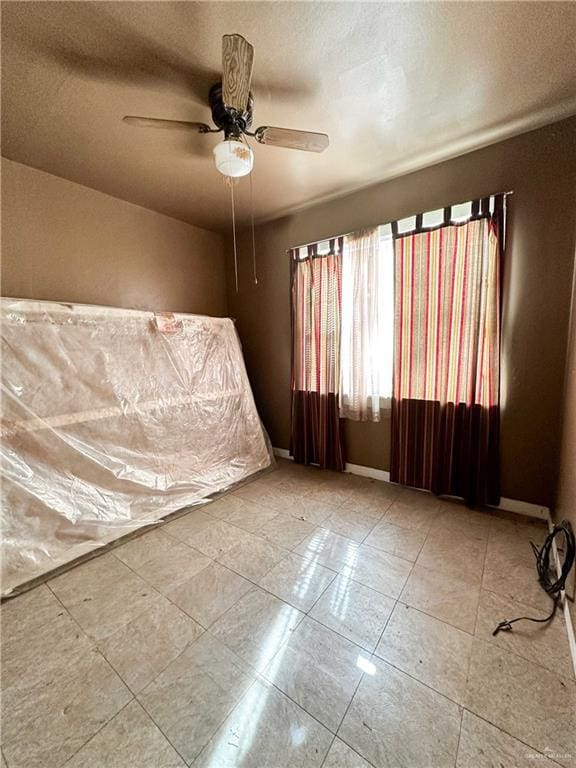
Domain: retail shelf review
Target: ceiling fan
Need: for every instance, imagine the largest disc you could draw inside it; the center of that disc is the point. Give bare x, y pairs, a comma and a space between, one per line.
232, 108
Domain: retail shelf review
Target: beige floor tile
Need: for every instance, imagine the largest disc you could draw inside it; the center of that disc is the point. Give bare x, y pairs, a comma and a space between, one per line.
195, 693
433, 652
402, 542
267, 730
484, 746
455, 554
286, 531
298, 481
514, 580
146, 546
350, 522
354, 611
418, 499
103, 595
254, 559
332, 494
297, 581
188, 525
380, 493
247, 489
378, 570
140, 650
311, 510
456, 518
257, 627
130, 739
450, 599
408, 516
54, 719
367, 503
218, 538
329, 549
416, 510
303, 482
251, 517
208, 689
166, 572
288, 471
273, 497
88, 580
527, 529
294, 480
268, 483
38, 655
527, 701
209, 593
365, 488
341, 755
29, 610
511, 548
345, 480
224, 506
319, 670
545, 644
397, 722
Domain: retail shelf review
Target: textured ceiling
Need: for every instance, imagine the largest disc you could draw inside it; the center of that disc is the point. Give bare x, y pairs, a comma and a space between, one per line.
397, 86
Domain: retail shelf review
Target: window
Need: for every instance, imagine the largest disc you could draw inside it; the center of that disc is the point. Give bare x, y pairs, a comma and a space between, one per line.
367, 324
344, 306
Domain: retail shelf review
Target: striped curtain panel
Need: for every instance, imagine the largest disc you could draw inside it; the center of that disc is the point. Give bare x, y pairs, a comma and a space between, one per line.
316, 320
445, 405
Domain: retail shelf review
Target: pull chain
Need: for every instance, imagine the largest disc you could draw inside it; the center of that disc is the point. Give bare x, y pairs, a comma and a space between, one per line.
252, 219
253, 235
231, 183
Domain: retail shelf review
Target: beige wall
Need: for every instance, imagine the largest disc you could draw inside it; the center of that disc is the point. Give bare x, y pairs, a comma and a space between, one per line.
541, 169
65, 242
566, 500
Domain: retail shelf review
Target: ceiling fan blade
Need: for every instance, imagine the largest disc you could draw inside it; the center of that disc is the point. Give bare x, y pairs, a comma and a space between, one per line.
286, 137
154, 122
237, 61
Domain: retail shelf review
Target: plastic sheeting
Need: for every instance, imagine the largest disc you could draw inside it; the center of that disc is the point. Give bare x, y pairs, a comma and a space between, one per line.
111, 420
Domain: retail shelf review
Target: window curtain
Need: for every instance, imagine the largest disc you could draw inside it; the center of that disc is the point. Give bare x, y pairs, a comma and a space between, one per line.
317, 436
445, 405
360, 375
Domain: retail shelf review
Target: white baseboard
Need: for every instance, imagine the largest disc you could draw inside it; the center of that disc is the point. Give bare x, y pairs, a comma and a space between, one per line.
524, 508
375, 474
507, 505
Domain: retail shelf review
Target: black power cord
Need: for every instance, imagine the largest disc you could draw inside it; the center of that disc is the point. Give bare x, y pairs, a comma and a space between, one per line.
550, 582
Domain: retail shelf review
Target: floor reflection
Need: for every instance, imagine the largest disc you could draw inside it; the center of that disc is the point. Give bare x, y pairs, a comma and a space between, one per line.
245, 721
242, 726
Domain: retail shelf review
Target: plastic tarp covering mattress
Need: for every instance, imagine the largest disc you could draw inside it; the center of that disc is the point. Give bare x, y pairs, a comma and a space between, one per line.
112, 419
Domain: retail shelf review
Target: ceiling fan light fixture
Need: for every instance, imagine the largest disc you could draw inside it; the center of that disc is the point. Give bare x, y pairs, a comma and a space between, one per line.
233, 158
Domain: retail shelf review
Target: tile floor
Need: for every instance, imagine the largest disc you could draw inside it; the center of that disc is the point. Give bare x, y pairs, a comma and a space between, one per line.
307, 619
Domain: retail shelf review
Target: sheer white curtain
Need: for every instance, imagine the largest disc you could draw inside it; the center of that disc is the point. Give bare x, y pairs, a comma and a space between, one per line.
367, 324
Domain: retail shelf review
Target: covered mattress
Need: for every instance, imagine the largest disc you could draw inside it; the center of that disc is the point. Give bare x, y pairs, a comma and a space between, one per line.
111, 420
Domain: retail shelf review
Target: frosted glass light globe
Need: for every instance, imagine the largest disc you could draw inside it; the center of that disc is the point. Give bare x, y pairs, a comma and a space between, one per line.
233, 158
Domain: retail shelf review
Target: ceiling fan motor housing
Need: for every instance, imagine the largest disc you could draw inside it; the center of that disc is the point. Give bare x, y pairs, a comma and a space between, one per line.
232, 122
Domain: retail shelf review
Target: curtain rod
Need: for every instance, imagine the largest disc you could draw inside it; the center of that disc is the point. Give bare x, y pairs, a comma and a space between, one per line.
352, 232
